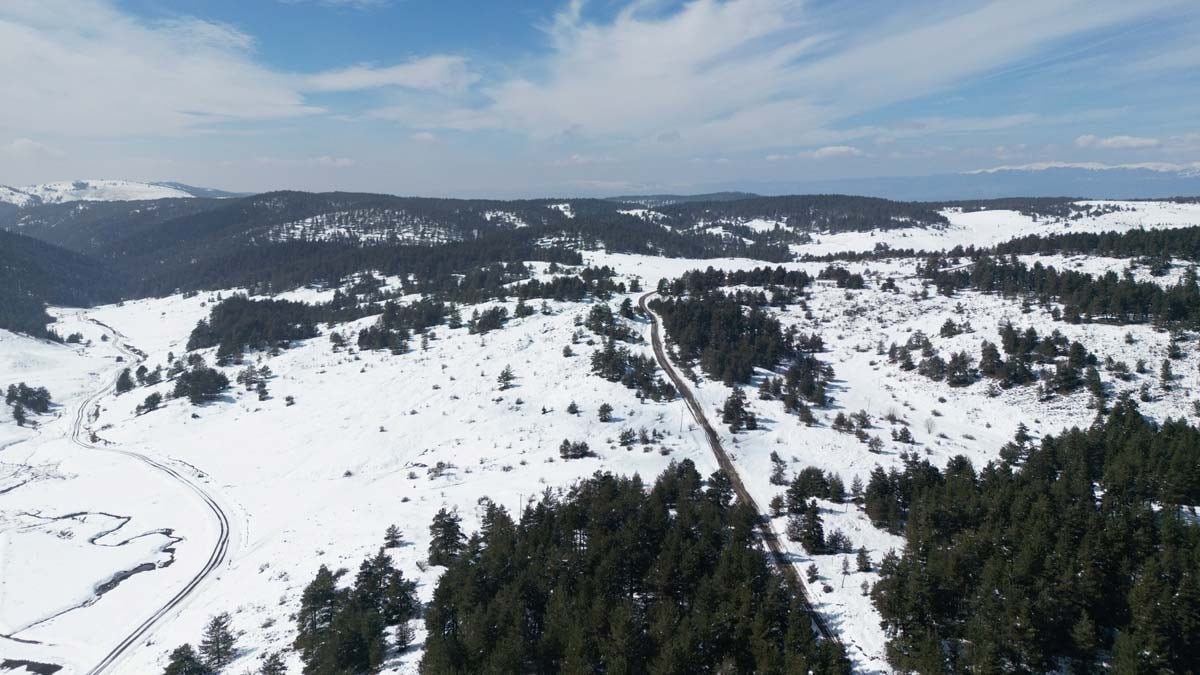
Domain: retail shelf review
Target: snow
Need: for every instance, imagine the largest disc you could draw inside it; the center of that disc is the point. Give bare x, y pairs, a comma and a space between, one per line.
375, 439
991, 227
92, 190
318, 482
565, 208
15, 197
364, 225
507, 217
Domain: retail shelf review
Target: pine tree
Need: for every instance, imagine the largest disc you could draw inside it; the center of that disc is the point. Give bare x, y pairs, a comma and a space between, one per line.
314, 621
274, 664
124, 382
605, 412
218, 645
506, 378
392, 537
446, 537
183, 661
813, 535
573, 408
863, 561
18, 414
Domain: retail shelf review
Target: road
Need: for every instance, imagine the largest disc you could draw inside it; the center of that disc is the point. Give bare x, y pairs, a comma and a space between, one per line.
765, 529
81, 436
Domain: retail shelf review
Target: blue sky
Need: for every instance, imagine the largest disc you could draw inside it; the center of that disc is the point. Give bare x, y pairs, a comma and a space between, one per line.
569, 97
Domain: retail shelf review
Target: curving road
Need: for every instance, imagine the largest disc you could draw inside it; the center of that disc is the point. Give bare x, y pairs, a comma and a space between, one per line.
765, 529
81, 437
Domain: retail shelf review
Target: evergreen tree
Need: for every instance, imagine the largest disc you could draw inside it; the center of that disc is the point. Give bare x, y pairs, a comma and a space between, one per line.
124, 382
506, 378
184, 661
18, 414
605, 411
273, 664
813, 534
392, 537
218, 646
446, 537
862, 560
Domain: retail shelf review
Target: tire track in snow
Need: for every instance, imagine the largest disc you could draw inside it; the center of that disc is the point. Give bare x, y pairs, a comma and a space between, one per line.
216, 556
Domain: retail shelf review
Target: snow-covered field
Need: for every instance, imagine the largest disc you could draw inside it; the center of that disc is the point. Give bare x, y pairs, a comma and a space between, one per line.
988, 228
375, 439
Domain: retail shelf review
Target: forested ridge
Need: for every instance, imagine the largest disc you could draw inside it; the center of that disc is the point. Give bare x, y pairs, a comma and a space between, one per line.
1181, 242
1109, 297
1074, 555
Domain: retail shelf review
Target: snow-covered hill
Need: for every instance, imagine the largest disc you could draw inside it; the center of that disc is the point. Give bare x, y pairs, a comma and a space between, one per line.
92, 190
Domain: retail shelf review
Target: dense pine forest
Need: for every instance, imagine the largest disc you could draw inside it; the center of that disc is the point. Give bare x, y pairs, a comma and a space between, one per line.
1072, 554
613, 578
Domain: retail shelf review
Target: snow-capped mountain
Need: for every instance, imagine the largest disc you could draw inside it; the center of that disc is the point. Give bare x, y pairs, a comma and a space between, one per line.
102, 190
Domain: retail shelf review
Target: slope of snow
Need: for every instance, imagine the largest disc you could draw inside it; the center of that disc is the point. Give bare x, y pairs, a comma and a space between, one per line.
319, 481
14, 196
75, 522
89, 191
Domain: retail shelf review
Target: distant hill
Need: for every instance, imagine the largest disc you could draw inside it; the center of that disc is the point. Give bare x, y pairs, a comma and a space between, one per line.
101, 190
1081, 181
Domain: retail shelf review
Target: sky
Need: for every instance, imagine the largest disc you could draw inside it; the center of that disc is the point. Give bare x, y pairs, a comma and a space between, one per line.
509, 98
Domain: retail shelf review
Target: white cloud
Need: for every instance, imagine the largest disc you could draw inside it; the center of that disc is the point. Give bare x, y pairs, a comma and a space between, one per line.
834, 151
27, 148
580, 159
424, 137
827, 152
1164, 167
84, 68
81, 67
322, 161
352, 4
1116, 142
757, 74
439, 73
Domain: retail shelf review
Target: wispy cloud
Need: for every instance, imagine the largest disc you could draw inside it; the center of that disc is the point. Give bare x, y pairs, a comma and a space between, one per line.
82, 67
747, 74
439, 73
1116, 142
322, 161
27, 148
827, 152
351, 4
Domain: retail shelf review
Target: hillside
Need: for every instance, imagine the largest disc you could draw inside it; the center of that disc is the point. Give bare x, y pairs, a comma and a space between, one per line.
34, 274
307, 392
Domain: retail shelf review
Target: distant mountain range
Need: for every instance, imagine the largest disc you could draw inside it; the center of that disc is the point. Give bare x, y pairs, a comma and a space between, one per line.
103, 190
1048, 179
